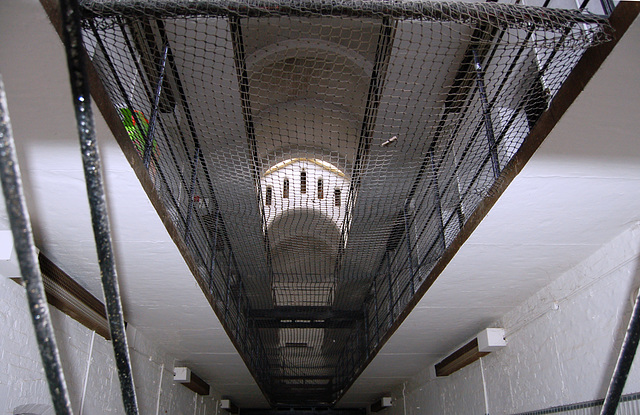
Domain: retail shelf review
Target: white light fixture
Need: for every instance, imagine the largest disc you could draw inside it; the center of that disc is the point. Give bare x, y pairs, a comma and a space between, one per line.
490, 340
182, 374
379, 405
228, 406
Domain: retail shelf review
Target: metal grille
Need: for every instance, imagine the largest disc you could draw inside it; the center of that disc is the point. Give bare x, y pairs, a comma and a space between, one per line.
629, 405
318, 157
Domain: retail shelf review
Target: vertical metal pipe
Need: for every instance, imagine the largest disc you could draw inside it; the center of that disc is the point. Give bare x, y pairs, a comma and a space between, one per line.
212, 266
146, 158
228, 290
365, 312
147, 87
607, 6
192, 188
99, 216
391, 304
625, 359
27, 258
438, 207
238, 302
245, 312
375, 308
409, 249
486, 115
121, 88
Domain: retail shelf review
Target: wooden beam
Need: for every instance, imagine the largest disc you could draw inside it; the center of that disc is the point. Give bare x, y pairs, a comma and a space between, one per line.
462, 357
65, 294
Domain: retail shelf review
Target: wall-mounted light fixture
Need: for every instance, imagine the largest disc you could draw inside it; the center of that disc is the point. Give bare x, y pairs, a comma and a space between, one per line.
382, 403
487, 341
228, 406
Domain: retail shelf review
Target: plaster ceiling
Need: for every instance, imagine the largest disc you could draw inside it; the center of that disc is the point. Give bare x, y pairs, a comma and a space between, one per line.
578, 191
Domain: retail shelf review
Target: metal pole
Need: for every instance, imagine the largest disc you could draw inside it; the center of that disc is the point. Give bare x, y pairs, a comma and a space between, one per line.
154, 113
486, 115
97, 203
192, 189
238, 300
375, 308
409, 249
121, 88
212, 267
625, 359
25, 250
366, 328
436, 189
607, 6
228, 291
391, 304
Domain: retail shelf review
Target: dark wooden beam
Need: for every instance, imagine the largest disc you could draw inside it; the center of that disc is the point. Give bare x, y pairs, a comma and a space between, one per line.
462, 357
197, 385
65, 294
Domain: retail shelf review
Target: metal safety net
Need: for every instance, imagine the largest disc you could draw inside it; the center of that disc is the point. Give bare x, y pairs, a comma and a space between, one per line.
317, 158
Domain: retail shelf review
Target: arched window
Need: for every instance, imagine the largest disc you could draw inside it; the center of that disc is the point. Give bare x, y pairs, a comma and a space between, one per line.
303, 181
320, 189
285, 189
337, 196
269, 196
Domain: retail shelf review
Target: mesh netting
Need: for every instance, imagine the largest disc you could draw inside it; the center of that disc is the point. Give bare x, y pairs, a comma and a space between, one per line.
319, 157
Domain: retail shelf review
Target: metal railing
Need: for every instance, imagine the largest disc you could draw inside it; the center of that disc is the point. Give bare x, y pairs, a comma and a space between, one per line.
629, 405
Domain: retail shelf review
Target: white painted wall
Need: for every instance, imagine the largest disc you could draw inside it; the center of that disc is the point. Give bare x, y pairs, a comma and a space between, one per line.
89, 367
563, 343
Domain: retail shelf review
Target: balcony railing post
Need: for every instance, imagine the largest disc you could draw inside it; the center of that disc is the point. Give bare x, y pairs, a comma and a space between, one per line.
628, 351
486, 115
238, 309
26, 253
409, 248
228, 289
192, 188
148, 145
607, 6
438, 207
365, 311
72, 34
375, 308
212, 266
121, 88
391, 303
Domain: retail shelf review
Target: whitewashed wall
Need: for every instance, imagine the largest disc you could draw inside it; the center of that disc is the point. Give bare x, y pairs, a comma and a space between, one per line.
563, 343
89, 367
